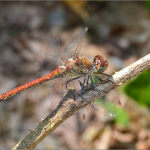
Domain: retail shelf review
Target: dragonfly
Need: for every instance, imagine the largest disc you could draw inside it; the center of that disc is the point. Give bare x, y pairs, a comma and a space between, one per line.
63, 69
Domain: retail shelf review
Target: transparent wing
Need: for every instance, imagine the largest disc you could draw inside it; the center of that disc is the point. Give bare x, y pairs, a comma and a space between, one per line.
74, 47
56, 88
76, 121
108, 104
56, 91
53, 57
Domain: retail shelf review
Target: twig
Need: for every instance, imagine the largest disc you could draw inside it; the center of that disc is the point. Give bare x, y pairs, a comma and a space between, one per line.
68, 107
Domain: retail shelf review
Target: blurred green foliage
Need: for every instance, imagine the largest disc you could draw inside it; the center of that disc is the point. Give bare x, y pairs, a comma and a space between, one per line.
100, 2
147, 4
139, 88
123, 118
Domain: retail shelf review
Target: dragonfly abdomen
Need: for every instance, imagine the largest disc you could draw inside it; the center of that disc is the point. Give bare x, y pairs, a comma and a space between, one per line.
21, 88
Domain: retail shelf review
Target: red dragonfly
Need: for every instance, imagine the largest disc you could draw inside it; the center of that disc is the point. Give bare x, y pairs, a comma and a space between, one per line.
64, 69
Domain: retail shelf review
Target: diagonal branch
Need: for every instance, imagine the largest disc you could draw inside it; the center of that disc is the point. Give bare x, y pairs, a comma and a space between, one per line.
67, 107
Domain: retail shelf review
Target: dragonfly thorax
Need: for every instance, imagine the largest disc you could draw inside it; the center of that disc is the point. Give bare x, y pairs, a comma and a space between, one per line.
78, 66
100, 64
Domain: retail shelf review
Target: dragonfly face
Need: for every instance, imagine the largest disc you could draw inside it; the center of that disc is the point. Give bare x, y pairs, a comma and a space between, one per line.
100, 64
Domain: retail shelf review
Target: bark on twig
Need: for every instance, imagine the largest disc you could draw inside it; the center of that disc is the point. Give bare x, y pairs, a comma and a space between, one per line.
68, 107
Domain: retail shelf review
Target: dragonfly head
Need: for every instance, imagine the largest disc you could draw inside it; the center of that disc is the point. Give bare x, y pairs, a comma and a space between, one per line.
100, 64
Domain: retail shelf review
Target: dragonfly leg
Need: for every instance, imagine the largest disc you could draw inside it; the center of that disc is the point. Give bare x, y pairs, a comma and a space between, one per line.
81, 92
108, 76
72, 80
92, 84
80, 83
102, 81
87, 80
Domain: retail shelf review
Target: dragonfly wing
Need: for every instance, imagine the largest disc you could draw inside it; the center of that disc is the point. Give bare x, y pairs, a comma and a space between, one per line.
74, 47
53, 56
76, 121
56, 88
56, 91
108, 104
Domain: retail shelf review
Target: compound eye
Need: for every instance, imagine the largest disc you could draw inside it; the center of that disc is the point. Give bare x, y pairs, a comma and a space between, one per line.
99, 60
100, 64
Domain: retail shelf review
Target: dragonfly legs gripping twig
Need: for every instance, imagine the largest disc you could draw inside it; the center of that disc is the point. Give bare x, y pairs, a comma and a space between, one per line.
103, 81
72, 80
92, 84
87, 82
108, 76
82, 87
82, 84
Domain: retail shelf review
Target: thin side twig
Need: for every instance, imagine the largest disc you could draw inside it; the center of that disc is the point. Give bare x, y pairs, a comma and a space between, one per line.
67, 107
